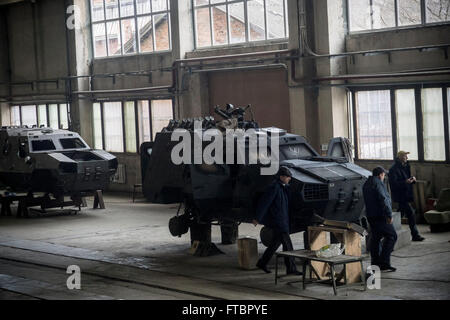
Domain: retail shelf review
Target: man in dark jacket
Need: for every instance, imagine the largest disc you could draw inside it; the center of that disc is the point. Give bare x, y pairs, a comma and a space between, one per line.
401, 183
273, 212
379, 214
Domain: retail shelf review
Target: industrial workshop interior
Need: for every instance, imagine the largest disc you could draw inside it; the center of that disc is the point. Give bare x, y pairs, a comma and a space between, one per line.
225, 150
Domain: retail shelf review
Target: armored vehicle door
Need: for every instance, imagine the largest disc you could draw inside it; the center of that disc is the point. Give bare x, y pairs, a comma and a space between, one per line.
340, 148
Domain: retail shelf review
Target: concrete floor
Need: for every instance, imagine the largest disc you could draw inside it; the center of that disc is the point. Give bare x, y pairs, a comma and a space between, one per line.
127, 252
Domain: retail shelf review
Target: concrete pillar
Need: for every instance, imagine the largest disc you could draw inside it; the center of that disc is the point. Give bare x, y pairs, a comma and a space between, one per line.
330, 30
79, 60
194, 101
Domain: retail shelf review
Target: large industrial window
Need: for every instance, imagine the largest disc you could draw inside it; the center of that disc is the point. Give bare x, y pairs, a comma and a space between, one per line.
123, 126
421, 123
121, 27
226, 22
380, 14
373, 109
433, 124
405, 107
55, 116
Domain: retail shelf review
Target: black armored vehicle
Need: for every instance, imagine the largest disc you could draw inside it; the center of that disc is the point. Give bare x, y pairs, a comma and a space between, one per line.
56, 163
227, 194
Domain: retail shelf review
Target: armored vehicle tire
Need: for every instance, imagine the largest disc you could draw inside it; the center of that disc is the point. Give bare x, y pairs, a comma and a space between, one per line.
266, 235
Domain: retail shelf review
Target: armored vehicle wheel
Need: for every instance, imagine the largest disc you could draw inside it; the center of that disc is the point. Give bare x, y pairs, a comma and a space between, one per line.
266, 235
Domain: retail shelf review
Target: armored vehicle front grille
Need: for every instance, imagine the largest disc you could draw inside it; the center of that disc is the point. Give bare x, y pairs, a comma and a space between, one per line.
314, 192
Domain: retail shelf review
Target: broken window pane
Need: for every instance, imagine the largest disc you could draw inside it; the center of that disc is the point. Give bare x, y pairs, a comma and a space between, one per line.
128, 36
130, 127
112, 122
405, 105
162, 32
162, 113
29, 117
373, 110
437, 10
409, 12
97, 121
433, 124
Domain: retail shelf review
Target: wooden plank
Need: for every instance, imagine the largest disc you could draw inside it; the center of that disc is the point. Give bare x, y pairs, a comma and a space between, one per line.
353, 248
318, 239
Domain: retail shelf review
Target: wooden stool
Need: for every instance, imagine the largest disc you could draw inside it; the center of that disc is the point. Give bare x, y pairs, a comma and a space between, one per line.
352, 240
98, 200
134, 190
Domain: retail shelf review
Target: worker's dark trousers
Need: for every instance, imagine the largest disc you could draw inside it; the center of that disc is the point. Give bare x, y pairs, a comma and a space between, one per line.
280, 238
407, 211
381, 252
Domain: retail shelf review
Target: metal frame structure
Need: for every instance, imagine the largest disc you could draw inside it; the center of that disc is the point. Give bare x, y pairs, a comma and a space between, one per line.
246, 21
419, 119
135, 17
423, 22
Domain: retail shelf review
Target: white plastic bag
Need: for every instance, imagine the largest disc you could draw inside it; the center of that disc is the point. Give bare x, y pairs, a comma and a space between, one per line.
331, 250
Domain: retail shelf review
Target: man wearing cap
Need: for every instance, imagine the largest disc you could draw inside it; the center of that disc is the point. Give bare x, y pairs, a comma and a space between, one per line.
401, 183
379, 214
273, 212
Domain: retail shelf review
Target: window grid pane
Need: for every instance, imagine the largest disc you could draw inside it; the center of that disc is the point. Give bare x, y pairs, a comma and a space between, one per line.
405, 106
162, 112
113, 126
53, 116
433, 124
97, 122
234, 22
15, 115
29, 117
63, 116
144, 121
374, 125
42, 115
130, 127
115, 34
437, 11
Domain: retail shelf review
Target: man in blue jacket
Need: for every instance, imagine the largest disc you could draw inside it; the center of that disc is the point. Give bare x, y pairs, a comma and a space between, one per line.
401, 183
273, 212
379, 214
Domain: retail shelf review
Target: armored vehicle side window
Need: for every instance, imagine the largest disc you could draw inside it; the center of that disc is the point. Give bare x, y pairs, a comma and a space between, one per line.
296, 151
43, 145
72, 143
